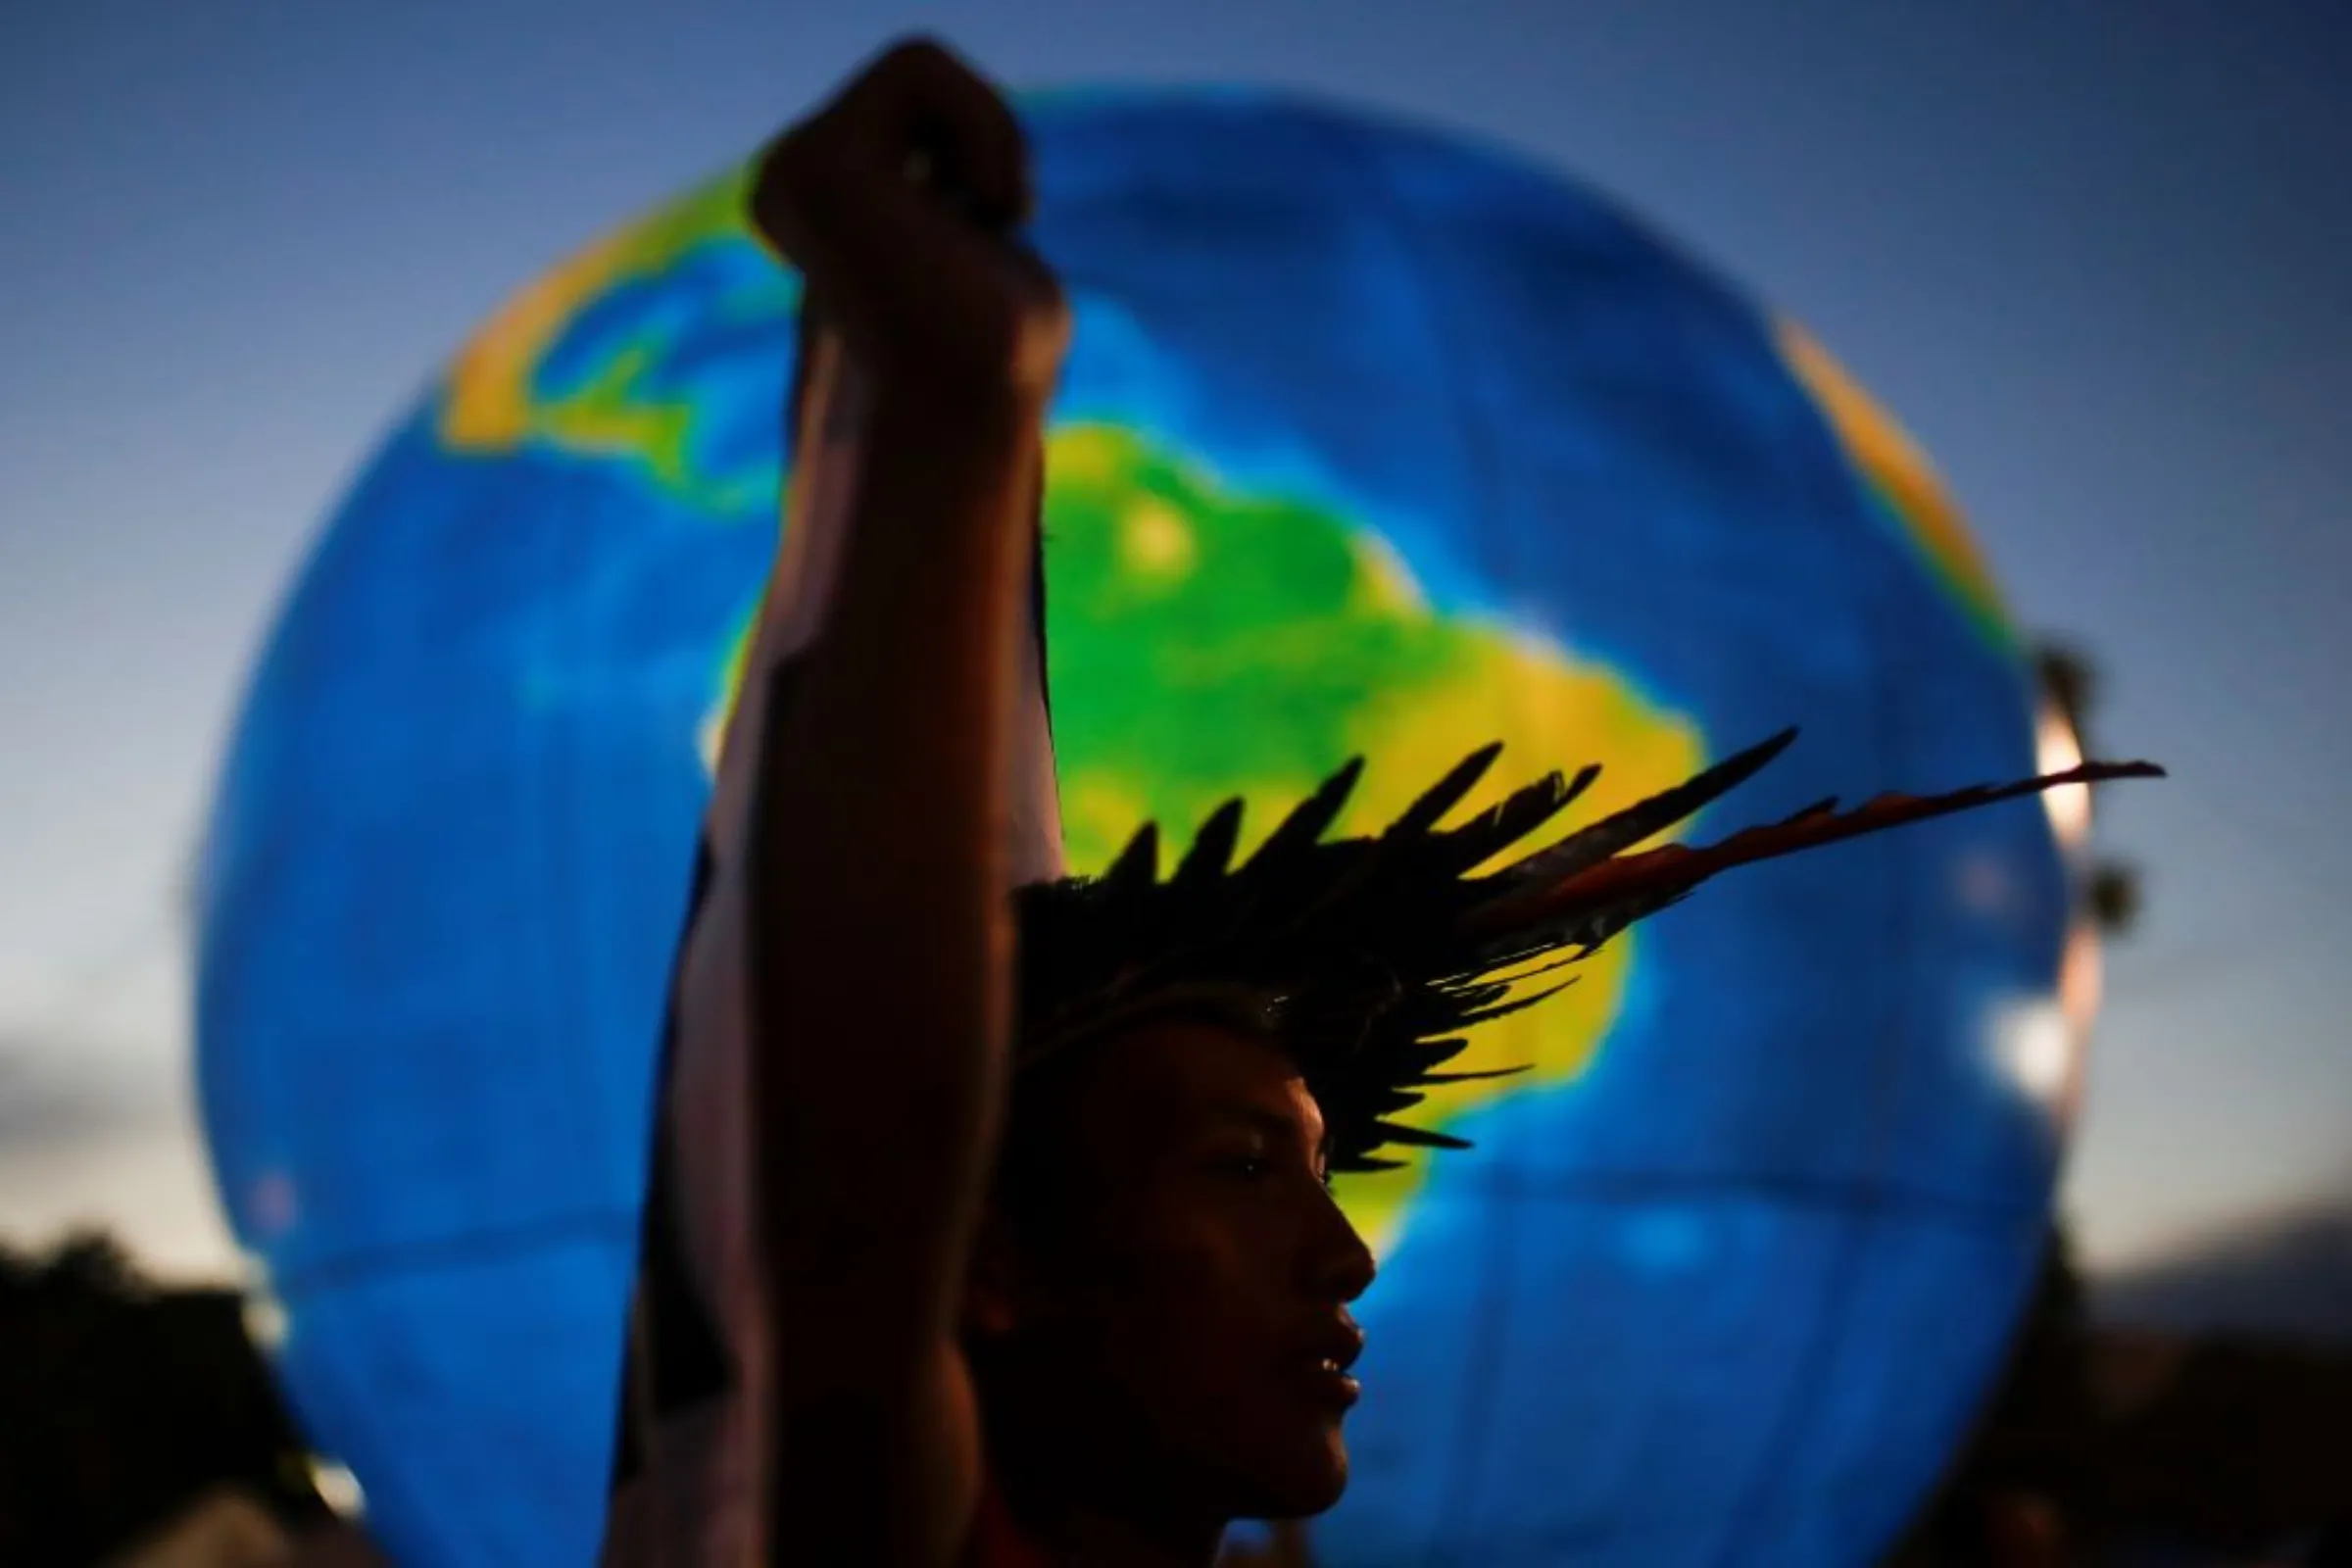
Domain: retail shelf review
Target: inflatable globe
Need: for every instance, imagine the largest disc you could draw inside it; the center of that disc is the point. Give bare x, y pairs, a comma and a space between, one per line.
1371, 441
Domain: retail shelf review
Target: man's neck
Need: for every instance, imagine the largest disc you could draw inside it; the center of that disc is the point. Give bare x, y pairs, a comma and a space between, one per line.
1084, 1528
1092, 1505
1094, 1539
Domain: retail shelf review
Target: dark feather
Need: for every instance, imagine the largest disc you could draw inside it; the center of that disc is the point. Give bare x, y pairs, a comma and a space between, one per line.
1309, 820
1614, 834
1504, 1009
1444, 795
1507, 821
1674, 869
1476, 1077
1137, 864
1211, 853
1416, 1137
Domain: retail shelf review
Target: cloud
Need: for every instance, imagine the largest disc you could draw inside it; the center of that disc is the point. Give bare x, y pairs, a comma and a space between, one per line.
52, 1096
96, 1135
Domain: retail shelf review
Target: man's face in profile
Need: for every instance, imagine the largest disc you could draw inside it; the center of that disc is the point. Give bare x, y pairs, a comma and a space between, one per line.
1182, 1309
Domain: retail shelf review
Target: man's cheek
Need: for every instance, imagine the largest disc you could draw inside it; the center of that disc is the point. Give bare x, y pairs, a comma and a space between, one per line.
1201, 1256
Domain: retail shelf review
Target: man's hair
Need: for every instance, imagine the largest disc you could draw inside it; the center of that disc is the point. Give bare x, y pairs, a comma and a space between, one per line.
1374, 955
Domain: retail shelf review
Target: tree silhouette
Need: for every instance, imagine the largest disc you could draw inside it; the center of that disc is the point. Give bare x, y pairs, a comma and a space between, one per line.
125, 1403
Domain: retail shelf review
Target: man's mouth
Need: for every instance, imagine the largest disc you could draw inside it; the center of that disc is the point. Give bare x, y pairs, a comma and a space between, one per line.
1333, 1353
1335, 1386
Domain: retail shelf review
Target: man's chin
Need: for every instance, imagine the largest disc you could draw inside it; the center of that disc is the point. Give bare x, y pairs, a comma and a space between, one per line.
1305, 1484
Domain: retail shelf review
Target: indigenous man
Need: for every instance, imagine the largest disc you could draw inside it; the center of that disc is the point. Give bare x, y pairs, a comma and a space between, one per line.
990, 1219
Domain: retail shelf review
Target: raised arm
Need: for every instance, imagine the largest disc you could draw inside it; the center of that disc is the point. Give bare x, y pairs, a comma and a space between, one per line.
879, 929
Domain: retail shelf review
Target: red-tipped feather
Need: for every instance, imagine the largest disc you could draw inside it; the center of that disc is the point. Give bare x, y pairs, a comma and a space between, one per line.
1677, 868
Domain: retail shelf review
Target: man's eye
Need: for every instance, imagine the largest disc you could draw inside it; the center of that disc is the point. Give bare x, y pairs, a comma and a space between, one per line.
1257, 1170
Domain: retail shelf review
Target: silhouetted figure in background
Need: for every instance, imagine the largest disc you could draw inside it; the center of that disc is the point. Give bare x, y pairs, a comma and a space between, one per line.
2098, 1442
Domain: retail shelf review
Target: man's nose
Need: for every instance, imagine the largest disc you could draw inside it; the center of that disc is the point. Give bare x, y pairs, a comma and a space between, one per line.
1343, 1266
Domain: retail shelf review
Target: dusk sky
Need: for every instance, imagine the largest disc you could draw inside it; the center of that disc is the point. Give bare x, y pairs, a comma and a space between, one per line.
2095, 255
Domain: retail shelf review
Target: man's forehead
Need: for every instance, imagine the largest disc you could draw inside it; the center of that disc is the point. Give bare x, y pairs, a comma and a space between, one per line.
1291, 1116
1193, 1072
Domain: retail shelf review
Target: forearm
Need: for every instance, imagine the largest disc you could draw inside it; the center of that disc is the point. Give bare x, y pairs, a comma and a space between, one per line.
879, 923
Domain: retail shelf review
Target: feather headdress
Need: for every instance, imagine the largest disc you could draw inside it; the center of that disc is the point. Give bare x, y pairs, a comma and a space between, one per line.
1373, 955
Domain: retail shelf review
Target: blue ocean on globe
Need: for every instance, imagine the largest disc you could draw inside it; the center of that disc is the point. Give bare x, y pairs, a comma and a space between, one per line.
1372, 440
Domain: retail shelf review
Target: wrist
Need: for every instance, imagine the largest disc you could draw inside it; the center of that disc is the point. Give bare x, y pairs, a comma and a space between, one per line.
949, 416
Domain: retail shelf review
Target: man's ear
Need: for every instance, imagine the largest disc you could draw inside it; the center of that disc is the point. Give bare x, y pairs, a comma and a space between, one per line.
992, 1298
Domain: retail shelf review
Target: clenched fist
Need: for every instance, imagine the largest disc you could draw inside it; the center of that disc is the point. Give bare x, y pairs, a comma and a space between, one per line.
896, 201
